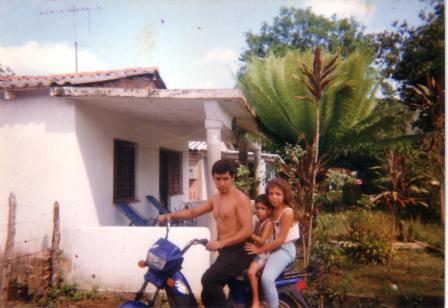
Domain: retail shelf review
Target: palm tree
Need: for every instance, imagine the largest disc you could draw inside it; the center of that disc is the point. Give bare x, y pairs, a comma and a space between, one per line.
337, 113
350, 117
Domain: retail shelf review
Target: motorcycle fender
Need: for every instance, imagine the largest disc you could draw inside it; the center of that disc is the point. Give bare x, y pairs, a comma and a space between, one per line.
179, 293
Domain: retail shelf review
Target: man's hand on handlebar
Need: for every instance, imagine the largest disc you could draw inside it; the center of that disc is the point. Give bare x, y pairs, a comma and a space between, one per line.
214, 245
163, 218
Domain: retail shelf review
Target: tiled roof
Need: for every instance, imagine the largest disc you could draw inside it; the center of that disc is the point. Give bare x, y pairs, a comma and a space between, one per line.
202, 146
22, 82
228, 150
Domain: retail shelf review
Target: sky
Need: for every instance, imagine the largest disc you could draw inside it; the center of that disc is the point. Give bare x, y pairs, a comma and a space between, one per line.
194, 43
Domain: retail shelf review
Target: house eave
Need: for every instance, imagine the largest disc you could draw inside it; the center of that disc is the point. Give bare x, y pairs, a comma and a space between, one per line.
204, 94
228, 98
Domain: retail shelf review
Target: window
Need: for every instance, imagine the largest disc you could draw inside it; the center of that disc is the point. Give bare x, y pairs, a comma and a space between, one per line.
170, 174
124, 170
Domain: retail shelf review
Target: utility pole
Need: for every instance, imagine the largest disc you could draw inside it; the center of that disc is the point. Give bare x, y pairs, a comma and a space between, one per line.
73, 10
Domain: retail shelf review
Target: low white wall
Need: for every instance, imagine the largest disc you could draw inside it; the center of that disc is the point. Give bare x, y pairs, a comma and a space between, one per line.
106, 257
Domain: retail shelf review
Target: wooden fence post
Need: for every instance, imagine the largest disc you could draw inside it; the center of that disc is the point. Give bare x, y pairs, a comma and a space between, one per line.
6, 262
54, 274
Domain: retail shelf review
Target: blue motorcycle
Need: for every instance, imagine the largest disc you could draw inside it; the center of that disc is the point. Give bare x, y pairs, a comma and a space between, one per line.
164, 262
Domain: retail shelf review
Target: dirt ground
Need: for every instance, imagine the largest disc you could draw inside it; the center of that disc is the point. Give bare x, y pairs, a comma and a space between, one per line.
103, 300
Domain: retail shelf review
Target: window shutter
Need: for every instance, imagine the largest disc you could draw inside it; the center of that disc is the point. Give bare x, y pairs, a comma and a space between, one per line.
124, 170
174, 173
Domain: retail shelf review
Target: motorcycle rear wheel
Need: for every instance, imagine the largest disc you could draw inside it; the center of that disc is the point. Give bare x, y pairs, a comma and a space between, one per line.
286, 301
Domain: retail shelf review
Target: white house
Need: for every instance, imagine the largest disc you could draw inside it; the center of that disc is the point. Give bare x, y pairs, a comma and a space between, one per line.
87, 140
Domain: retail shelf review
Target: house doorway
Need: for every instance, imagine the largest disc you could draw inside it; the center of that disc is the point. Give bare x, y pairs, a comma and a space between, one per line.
170, 174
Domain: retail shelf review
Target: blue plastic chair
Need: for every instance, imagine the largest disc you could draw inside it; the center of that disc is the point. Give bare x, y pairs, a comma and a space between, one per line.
134, 216
158, 205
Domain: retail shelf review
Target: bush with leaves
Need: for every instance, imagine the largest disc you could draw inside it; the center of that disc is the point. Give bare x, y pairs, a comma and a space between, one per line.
370, 233
324, 251
335, 187
366, 202
243, 180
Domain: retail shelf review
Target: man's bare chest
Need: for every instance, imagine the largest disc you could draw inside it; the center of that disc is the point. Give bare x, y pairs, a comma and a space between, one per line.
224, 212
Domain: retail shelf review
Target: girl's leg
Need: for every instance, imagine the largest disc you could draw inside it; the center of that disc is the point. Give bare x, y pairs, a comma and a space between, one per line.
252, 276
276, 263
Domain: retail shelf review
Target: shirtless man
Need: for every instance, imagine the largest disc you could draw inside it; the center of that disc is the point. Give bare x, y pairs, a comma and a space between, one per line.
233, 214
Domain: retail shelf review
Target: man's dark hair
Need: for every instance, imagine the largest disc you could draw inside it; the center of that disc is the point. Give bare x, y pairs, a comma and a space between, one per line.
222, 166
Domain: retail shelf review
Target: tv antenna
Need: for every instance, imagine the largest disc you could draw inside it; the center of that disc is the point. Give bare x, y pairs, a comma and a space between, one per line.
74, 10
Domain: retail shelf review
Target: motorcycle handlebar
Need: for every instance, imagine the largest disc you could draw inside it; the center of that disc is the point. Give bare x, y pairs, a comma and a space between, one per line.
194, 242
203, 241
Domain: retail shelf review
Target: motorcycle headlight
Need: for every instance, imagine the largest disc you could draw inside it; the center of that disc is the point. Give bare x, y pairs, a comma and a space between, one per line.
154, 261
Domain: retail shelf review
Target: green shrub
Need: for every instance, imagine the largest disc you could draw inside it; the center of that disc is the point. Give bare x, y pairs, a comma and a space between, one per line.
370, 233
365, 202
338, 190
324, 251
244, 181
66, 291
432, 234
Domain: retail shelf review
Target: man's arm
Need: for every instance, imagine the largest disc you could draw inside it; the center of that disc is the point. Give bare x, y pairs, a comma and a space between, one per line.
188, 213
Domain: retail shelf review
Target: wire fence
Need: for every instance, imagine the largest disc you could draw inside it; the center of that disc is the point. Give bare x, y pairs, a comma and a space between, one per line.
36, 242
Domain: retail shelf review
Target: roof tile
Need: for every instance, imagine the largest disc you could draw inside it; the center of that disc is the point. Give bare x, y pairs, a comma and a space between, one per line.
22, 82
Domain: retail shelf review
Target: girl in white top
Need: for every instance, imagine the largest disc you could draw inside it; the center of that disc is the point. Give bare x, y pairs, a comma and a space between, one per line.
282, 248
263, 233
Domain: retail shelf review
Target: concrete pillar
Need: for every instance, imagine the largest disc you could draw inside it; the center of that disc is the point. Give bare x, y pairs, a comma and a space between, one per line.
260, 168
213, 128
261, 184
216, 120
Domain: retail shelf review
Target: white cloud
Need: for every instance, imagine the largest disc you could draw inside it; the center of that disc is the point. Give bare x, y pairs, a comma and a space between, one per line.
222, 56
359, 9
33, 58
205, 85
219, 56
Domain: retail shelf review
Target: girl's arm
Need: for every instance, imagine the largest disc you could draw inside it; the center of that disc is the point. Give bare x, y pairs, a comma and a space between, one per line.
266, 232
285, 223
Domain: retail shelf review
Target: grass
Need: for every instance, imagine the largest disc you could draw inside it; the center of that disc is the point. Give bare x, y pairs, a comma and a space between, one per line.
414, 279
431, 234
413, 272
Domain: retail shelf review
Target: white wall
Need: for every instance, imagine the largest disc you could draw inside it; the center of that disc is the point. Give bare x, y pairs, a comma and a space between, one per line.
37, 150
96, 130
55, 149
106, 257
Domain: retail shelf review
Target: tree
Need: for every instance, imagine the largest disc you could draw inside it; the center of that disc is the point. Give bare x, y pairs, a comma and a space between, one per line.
299, 29
316, 80
400, 187
411, 54
433, 96
414, 56
337, 113
350, 118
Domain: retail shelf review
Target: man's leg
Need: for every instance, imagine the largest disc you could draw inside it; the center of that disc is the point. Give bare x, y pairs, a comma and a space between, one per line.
213, 282
230, 263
